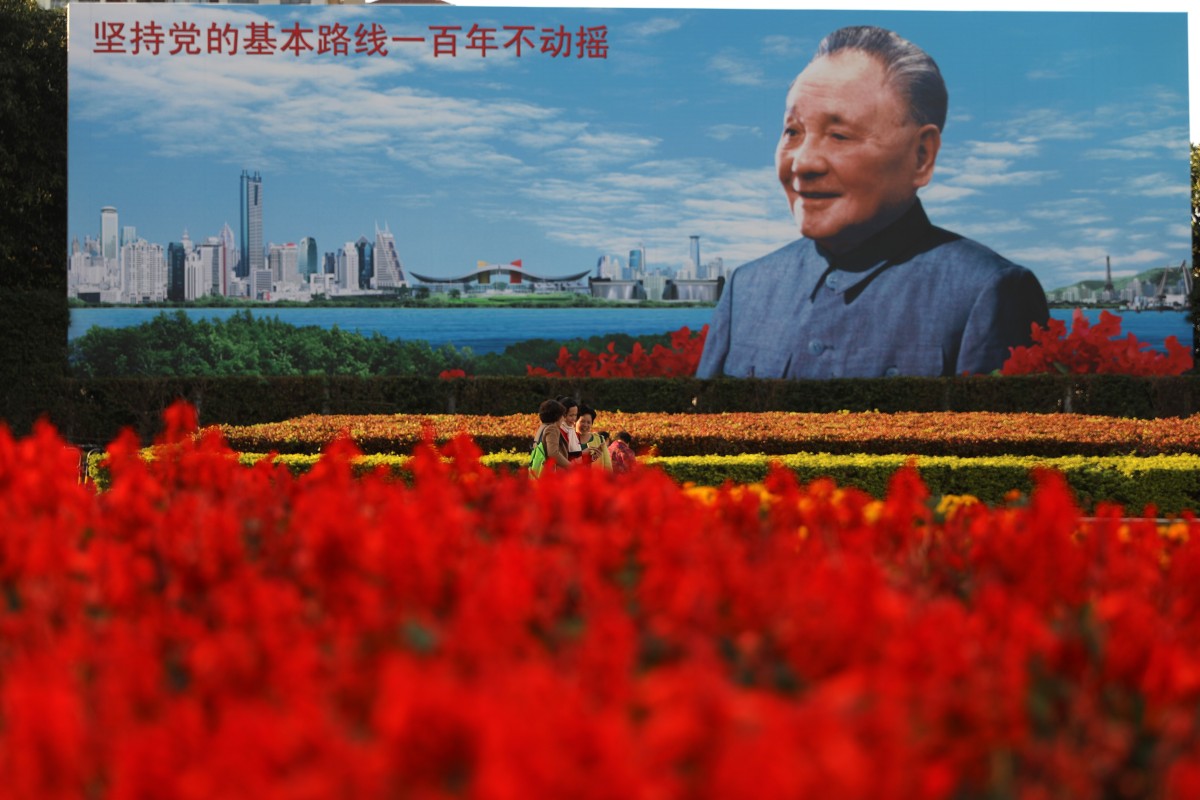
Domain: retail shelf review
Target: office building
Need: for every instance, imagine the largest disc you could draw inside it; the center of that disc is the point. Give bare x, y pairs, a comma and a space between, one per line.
389, 272
306, 259
366, 261
347, 268
252, 256
109, 245
637, 262
143, 272
211, 267
176, 266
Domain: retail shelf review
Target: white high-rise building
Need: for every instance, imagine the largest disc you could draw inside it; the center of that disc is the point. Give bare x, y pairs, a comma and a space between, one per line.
229, 256
389, 272
609, 267
193, 276
109, 244
212, 266
144, 272
347, 268
275, 262
289, 268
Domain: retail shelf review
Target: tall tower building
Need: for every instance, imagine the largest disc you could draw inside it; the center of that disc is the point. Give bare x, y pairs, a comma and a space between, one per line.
109, 243
229, 256
290, 268
366, 261
306, 261
211, 275
695, 249
389, 272
637, 261
177, 256
275, 262
252, 225
144, 272
347, 268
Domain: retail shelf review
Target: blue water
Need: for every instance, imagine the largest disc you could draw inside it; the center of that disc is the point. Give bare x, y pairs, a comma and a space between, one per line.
490, 330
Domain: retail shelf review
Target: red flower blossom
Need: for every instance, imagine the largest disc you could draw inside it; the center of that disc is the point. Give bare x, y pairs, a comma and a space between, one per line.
1094, 349
678, 360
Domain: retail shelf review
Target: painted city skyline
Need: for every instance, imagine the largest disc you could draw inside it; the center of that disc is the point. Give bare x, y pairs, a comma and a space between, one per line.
1066, 142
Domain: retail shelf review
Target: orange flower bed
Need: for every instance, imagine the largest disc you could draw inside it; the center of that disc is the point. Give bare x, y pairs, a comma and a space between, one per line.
207, 630
940, 433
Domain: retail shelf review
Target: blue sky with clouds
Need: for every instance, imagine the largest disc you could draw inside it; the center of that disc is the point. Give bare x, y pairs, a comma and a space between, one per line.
1067, 136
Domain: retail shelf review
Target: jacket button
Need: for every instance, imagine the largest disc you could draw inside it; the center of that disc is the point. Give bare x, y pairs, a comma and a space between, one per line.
891, 372
816, 347
832, 282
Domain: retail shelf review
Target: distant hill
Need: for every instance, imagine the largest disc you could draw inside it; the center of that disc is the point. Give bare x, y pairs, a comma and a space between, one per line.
1152, 275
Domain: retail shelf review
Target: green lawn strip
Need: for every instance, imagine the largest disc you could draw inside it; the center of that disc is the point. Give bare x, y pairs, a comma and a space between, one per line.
1170, 482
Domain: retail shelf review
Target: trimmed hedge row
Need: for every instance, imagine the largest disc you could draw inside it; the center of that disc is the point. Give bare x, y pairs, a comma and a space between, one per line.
94, 411
1171, 484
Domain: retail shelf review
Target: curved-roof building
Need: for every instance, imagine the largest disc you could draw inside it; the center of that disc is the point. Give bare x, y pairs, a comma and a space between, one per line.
513, 271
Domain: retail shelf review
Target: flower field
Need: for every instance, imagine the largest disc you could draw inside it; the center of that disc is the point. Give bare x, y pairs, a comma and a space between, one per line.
205, 629
937, 433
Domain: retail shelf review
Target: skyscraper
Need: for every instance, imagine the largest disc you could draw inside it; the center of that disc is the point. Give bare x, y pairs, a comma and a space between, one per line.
637, 261
176, 264
366, 261
696, 268
307, 262
347, 268
212, 267
252, 225
228, 258
109, 245
389, 272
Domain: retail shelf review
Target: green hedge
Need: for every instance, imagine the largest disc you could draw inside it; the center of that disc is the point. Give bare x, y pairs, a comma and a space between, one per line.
94, 411
1169, 483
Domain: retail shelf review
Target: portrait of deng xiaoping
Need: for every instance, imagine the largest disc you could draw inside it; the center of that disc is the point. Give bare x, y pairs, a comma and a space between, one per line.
861, 134
835, 194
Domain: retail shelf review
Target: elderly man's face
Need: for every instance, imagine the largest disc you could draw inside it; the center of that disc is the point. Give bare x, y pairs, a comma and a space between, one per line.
850, 159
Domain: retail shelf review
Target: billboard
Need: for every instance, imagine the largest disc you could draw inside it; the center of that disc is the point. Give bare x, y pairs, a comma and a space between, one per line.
437, 173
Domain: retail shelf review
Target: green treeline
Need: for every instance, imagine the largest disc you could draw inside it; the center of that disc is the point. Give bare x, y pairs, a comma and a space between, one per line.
175, 345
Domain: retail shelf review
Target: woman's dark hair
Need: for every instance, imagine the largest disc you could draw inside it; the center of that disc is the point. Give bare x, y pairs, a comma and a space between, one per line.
591, 412
550, 412
567, 402
625, 437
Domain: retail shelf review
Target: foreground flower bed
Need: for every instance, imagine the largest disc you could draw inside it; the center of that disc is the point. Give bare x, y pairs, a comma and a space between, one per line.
202, 629
934, 433
1155, 484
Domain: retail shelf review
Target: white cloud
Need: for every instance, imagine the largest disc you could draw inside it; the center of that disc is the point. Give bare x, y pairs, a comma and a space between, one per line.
727, 131
655, 26
787, 47
1156, 185
1002, 149
734, 69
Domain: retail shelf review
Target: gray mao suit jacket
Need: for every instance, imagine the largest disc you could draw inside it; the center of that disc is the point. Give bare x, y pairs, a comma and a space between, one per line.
912, 300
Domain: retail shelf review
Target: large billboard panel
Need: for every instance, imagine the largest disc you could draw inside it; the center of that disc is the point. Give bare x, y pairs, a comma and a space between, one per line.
420, 171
